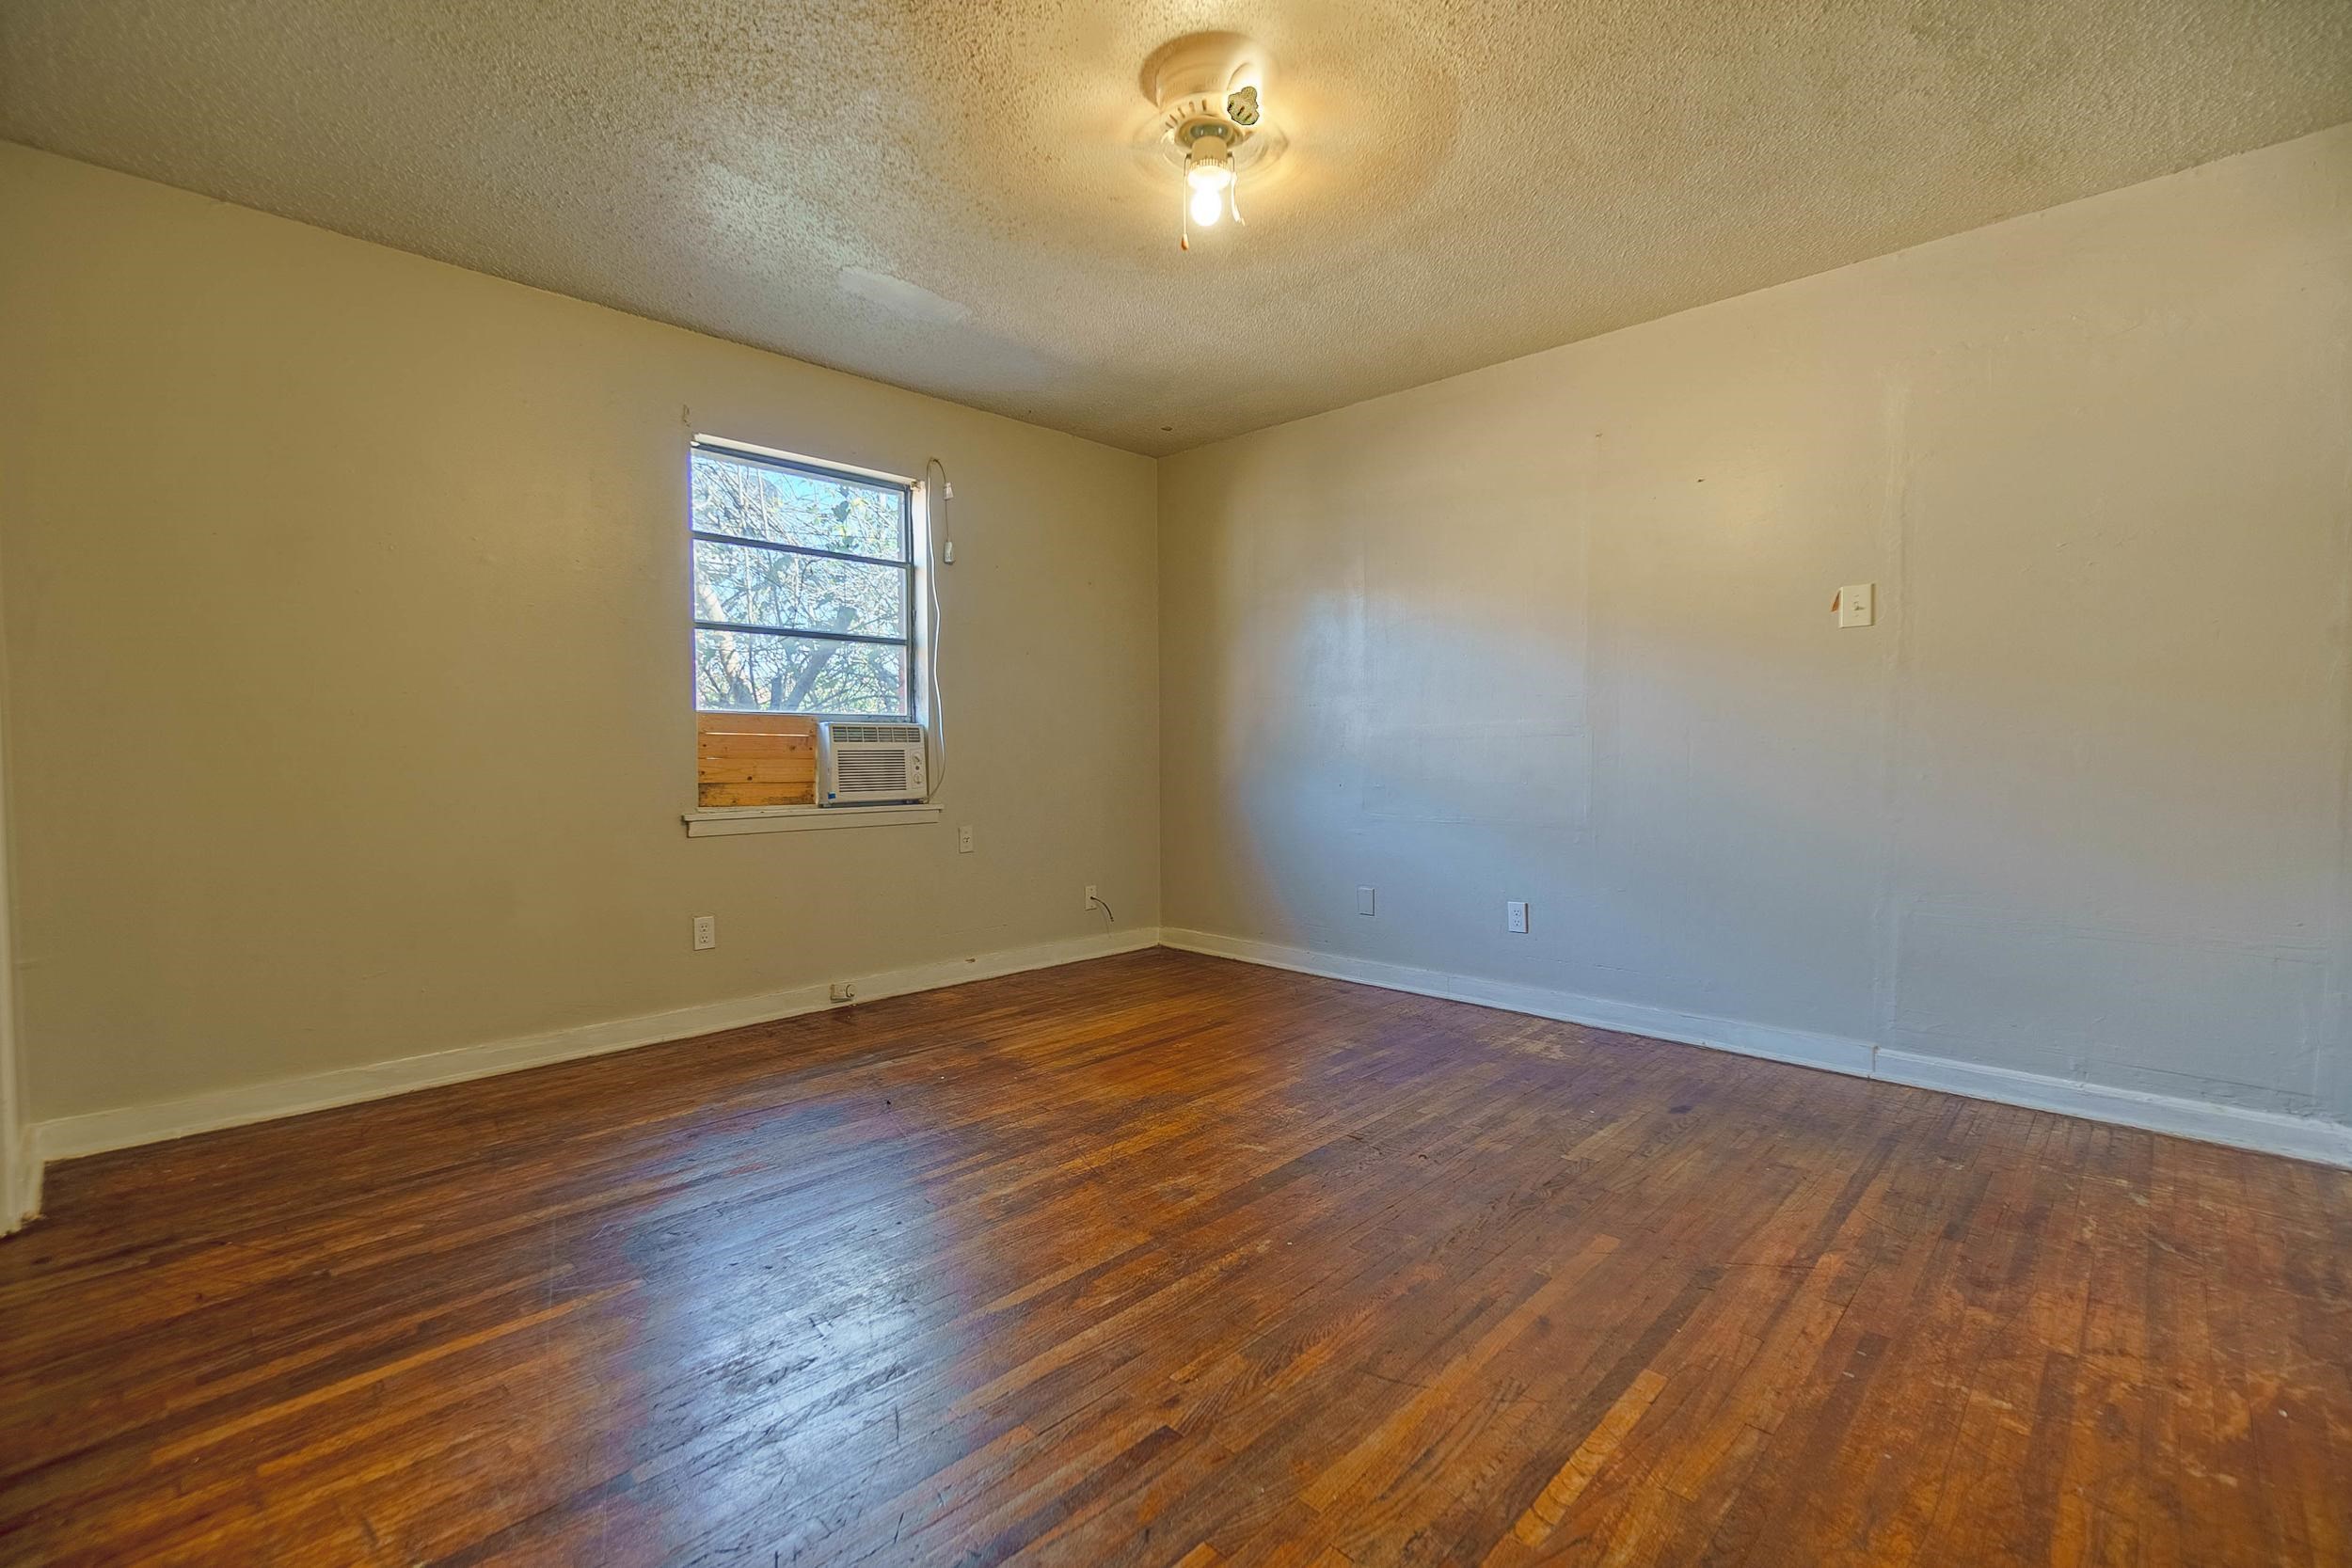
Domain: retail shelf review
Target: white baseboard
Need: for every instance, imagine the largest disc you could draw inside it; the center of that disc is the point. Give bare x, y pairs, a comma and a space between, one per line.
2267, 1131
2327, 1143
98, 1130
20, 1186
66, 1137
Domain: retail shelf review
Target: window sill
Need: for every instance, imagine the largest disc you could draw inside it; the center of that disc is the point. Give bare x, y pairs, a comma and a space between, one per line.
720, 821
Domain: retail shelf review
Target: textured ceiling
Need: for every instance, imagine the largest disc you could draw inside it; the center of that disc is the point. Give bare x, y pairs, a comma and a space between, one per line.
950, 196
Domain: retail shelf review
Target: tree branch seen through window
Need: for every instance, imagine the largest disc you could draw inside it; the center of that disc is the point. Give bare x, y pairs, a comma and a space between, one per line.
802, 588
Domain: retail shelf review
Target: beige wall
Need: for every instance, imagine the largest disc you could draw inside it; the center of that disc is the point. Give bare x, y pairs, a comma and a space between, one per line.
346, 658
1558, 630
348, 717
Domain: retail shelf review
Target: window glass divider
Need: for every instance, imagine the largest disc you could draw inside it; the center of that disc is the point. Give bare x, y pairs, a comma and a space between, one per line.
704, 534
757, 631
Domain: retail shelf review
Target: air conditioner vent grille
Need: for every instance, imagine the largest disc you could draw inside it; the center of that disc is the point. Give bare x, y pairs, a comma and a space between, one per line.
862, 763
877, 734
865, 772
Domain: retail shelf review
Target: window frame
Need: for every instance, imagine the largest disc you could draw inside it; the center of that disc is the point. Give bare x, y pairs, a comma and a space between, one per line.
910, 599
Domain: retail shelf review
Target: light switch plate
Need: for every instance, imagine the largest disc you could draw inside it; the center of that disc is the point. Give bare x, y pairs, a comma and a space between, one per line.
1858, 604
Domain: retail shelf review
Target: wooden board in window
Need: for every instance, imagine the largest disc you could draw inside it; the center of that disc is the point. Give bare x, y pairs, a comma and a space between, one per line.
754, 759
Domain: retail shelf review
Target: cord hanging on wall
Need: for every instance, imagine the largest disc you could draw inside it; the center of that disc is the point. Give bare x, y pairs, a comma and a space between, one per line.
941, 540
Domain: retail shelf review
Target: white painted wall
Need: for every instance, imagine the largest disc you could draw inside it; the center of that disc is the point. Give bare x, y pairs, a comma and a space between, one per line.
347, 666
1559, 630
303, 787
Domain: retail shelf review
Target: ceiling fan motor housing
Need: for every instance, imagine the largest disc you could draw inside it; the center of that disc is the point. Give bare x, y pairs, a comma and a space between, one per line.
1218, 78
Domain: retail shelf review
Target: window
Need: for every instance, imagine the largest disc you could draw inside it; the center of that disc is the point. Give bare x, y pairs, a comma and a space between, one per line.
804, 588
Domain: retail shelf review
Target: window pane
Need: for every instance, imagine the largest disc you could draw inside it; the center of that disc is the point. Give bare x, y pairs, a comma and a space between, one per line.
810, 593
758, 670
754, 502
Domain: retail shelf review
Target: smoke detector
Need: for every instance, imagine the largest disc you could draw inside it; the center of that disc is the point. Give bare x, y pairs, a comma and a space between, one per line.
1210, 90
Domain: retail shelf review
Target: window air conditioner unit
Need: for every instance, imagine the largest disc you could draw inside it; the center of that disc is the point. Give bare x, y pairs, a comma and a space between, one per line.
863, 763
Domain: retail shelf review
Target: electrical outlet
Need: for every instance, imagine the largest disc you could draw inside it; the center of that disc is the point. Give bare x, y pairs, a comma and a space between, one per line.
1091, 901
706, 931
964, 840
1515, 916
1364, 897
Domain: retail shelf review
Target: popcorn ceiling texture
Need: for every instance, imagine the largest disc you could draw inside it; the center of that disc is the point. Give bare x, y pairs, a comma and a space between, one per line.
955, 197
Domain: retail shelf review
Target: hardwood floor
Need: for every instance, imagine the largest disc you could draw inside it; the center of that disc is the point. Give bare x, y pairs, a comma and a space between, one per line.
1168, 1259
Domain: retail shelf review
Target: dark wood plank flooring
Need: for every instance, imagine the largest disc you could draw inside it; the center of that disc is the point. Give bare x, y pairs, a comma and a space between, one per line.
1165, 1260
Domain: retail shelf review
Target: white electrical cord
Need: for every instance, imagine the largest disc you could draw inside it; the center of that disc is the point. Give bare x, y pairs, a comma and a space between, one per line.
940, 547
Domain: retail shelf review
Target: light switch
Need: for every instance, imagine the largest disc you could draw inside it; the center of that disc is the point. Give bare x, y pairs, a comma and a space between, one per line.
1857, 605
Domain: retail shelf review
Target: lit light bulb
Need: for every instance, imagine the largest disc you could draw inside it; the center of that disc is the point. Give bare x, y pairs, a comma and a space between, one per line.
1209, 176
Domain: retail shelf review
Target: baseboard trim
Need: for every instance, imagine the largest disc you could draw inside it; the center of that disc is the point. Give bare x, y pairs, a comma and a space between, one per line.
2326, 1143
2265, 1132
97, 1131
22, 1183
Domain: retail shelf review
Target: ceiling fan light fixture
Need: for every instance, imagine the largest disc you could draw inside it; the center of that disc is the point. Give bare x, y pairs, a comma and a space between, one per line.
1209, 89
